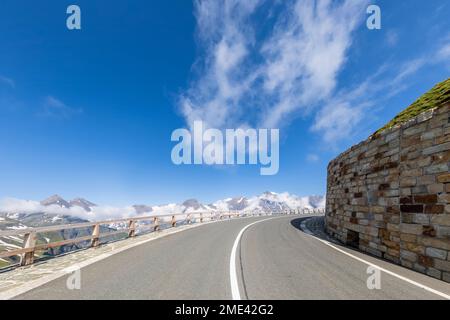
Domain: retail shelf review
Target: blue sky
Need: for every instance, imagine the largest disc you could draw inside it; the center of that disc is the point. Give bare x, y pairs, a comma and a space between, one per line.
90, 112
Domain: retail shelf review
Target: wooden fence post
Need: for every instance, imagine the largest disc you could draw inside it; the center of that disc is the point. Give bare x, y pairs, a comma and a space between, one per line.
174, 221
131, 229
95, 236
29, 243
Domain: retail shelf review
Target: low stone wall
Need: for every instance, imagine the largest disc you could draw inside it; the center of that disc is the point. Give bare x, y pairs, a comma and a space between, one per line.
390, 195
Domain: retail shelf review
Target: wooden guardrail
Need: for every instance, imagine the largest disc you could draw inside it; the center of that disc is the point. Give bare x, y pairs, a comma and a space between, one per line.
27, 252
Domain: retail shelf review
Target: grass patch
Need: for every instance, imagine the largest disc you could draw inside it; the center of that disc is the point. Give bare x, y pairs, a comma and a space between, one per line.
434, 98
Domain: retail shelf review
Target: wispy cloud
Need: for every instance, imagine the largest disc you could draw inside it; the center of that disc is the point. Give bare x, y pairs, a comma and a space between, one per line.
392, 38
339, 116
7, 81
244, 81
245, 77
53, 107
312, 157
306, 53
443, 54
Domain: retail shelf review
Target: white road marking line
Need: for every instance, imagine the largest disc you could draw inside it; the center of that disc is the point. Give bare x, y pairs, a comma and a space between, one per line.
233, 267
417, 284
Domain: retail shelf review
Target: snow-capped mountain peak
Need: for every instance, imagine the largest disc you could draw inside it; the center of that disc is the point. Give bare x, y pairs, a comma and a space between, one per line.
56, 200
83, 203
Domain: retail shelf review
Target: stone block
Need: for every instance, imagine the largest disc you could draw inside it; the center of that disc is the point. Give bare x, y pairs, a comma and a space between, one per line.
408, 182
442, 265
432, 272
442, 219
439, 168
429, 231
426, 198
446, 276
435, 243
419, 189
408, 256
435, 188
436, 149
411, 208
408, 237
434, 209
426, 180
444, 198
444, 178
411, 228
413, 247
436, 253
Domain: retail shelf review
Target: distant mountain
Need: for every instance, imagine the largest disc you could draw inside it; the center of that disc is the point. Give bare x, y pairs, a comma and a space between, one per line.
83, 203
55, 210
77, 202
269, 202
14, 220
56, 200
193, 205
266, 202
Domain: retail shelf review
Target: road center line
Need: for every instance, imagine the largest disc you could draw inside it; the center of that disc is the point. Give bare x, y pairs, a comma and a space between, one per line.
417, 284
233, 265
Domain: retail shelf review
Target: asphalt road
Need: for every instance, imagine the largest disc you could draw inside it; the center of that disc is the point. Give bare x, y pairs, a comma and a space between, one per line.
275, 260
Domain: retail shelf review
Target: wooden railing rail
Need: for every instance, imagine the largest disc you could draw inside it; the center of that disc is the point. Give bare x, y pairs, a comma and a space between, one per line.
30, 246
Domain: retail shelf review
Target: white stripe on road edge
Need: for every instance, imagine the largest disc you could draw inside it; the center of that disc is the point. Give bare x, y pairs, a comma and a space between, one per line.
422, 286
233, 274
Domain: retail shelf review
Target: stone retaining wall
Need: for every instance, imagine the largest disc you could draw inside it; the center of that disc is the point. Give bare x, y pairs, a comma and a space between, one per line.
390, 195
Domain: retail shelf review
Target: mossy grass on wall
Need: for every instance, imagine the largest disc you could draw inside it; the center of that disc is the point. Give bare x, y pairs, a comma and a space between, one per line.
435, 98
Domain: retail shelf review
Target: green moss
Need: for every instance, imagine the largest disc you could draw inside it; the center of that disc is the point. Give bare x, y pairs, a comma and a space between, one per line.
435, 98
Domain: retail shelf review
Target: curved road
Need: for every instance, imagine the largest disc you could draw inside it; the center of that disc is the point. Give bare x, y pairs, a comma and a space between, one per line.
274, 260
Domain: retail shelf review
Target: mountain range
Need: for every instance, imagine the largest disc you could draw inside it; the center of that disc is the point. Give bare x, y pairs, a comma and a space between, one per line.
56, 210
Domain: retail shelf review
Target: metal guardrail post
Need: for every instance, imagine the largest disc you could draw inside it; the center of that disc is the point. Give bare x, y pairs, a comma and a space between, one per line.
29, 242
95, 236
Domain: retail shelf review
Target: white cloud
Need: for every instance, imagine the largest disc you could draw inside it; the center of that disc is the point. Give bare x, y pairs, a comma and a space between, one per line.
392, 38
53, 107
312, 157
339, 116
8, 81
444, 52
243, 81
98, 213
306, 53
